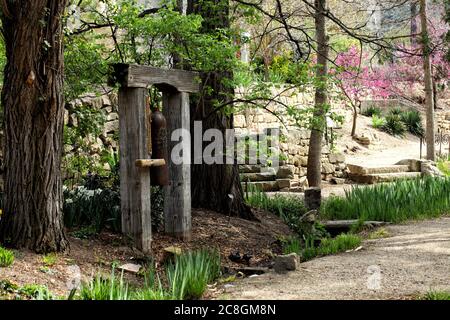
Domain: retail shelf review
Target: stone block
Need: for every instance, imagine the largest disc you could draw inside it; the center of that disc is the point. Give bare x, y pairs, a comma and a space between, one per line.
286, 263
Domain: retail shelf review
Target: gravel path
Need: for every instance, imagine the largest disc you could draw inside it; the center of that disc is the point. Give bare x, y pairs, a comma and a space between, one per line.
413, 260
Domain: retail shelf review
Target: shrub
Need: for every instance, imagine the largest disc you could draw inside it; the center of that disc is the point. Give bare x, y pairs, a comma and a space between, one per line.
394, 125
378, 122
371, 111
394, 202
100, 208
6, 257
413, 122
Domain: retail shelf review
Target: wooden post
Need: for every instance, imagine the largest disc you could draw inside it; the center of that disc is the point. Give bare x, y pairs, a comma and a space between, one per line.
134, 180
177, 201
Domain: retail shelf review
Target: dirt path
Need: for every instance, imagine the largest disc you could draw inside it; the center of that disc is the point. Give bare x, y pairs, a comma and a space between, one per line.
413, 260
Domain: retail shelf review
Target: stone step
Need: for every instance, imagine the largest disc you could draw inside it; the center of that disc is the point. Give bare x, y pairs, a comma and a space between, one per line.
360, 170
383, 177
258, 177
266, 186
249, 168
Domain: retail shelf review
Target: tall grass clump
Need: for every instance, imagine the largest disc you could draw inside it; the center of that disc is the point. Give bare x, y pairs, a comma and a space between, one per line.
190, 274
101, 288
327, 246
6, 257
394, 125
413, 122
394, 202
288, 208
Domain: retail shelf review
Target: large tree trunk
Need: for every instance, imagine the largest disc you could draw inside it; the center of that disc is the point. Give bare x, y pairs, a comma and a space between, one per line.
32, 99
429, 101
321, 98
215, 186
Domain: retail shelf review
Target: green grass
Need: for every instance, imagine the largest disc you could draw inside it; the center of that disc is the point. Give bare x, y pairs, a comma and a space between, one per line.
101, 288
289, 208
437, 295
291, 245
328, 246
189, 275
6, 257
36, 292
394, 202
50, 259
186, 278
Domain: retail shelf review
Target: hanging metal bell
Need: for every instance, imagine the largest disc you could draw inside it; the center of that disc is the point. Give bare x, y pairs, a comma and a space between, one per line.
159, 176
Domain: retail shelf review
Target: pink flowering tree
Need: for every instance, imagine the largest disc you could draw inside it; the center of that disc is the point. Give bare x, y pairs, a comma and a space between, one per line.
357, 80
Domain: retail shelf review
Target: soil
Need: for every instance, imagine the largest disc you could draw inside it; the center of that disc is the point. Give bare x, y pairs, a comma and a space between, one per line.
412, 261
97, 254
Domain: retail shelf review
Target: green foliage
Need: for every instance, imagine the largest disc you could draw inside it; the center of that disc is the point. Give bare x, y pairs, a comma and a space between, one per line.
327, 246
99, 208
437, 295
341, 243
85, 66
186, 278
291, 245
394, 125
444, 167
371, 111
6, 257
397, 111
413, 122
394, 202
290, 208
101, 288
36, 292
191, 272
50, 259
378, 122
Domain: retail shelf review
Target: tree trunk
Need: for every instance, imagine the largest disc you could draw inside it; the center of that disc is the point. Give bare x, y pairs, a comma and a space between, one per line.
429, 101
32, 99
355, 120
321, 98
216, 186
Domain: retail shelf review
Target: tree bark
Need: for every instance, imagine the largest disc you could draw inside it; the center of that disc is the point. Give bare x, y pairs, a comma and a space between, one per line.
216, 186
321, 98
32, 99
429, 101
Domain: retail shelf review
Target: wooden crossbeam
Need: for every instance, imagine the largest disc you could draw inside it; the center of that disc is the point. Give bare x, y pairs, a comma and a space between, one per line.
137, 76
145, 163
